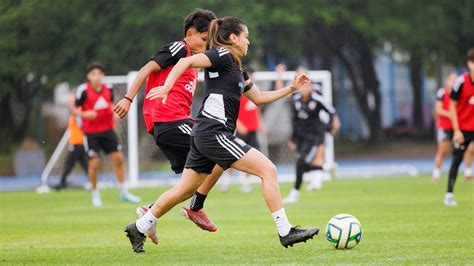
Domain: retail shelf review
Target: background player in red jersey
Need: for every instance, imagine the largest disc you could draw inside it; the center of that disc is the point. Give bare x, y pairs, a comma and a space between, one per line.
462, 117
444, 133
169, 121
94, 105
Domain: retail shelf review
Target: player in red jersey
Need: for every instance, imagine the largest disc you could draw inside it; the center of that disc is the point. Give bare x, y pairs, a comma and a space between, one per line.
94, 105
444, 132
169, 121
462, 118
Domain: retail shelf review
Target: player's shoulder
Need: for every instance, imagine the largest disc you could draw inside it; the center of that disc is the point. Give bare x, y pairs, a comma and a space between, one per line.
81, 90
317, 97
440, 93
222, 51
296, 97
458, 82
175, 48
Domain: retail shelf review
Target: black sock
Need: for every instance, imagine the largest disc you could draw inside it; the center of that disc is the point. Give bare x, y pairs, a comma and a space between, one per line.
315, 167
301, 167
458, 155
197, 202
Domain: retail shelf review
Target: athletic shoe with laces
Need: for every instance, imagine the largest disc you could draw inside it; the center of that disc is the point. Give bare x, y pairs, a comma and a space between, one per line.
292, 197
199, 218
297, 235
129, 197
450, 202
96, 201
136, 238
468, 174
151, 233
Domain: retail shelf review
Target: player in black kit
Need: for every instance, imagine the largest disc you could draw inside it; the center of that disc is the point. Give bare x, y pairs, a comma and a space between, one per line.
212, 140
311, 119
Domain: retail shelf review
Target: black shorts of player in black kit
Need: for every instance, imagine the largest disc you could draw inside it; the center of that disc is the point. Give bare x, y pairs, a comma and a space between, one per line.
250, 138
307, 148
208, 150
106, 141
444, 135
174, 139
213, 141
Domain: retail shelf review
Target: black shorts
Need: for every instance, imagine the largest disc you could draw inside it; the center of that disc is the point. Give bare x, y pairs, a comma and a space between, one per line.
174, 139
444, 135
106, 141
223, 149
468, 138
250, 139
306, 148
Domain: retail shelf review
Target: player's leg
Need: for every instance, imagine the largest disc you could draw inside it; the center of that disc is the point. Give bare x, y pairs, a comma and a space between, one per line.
83, 159
110, 145
315, 167
468, 174
293, 196
255, 163
93, 153
458, 154
444, 146
71, 159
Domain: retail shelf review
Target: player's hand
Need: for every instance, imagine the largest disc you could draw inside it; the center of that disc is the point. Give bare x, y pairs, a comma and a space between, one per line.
89, 114
160, 92
300, 80
291, 145
280, 68
458, 138
336, 125
122, 107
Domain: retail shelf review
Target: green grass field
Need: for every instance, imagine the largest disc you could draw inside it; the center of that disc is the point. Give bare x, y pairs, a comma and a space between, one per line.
404, 221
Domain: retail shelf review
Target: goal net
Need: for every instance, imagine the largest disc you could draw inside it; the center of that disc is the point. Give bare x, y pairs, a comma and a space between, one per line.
146, 165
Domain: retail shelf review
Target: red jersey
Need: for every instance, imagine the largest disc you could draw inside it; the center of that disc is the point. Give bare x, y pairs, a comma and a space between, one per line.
463, 93
248, 114
443, 121
180, 97
101, 102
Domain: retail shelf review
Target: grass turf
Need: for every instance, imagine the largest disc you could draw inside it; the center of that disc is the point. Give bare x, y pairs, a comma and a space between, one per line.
404, 221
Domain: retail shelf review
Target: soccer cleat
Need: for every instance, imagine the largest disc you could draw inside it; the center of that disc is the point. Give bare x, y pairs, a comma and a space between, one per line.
292, 197
297, 235
96, 201
450, 202
129, 197
199, 218
151, 233
136, 238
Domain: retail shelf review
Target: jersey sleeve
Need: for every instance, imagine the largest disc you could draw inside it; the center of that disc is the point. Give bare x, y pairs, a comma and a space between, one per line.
81, 94
440, 94
170, 54
457, 88
220, 58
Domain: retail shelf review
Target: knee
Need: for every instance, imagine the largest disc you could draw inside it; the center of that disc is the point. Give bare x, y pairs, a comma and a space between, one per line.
94, 164
270, 172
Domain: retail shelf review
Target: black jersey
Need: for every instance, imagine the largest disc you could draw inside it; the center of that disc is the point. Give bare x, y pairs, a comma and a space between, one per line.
307, 117
223, 87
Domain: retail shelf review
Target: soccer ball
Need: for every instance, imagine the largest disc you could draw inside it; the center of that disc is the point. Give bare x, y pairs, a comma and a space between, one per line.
343, 231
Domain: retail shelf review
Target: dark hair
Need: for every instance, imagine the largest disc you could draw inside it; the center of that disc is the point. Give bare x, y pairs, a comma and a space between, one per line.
198, 19
470, 55
220, 31
95, 65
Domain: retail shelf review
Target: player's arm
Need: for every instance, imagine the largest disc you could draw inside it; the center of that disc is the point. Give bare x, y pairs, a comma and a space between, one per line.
264, 97
335, 125
440, 111
123, 106
195, 61
81, 95
454, 97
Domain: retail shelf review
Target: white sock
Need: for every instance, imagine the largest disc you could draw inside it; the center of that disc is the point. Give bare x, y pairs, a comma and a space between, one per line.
294, 191
95, 193
146, 222
436, 172
467, 171
123, 188
449, 195
282, 223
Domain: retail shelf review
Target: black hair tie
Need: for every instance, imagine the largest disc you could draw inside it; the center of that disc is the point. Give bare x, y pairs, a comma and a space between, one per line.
219, 22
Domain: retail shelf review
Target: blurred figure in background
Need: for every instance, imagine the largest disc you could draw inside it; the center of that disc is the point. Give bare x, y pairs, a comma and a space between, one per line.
249, 123
462, 117
94, 102
77, 152
312, 117
444, 134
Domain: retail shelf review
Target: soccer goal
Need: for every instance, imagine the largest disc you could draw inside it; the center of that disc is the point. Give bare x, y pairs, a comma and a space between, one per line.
145, 163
